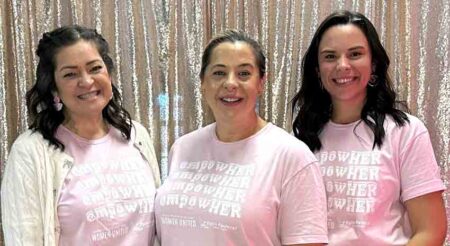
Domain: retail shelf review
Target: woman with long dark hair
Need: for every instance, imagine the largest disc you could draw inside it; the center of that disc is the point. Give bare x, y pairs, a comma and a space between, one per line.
382, 180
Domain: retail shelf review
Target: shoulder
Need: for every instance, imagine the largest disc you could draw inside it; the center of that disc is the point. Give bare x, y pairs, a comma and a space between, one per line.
415, 123
138, 127
413, 127
30, 150
283, 139
197, 136
30, 140
288, 145
139, 133
412, 132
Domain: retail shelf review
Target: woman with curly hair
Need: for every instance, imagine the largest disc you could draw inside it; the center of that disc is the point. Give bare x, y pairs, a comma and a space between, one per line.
84, 173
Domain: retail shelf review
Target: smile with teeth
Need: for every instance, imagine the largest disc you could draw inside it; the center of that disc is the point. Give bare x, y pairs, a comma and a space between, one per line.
230, 99
89, 95
344, 80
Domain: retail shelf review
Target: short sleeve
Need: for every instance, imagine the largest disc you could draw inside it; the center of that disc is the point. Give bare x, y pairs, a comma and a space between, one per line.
420, 173
303, 210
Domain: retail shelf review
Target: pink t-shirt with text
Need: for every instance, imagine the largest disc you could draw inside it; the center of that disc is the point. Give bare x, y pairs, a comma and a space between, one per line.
367, 188
263, 190
108, 195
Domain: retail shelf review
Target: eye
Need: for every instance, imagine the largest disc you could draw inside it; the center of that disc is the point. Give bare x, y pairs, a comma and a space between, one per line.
218, 73
329, 57
355, 54
244, 74
69, 75
96, 68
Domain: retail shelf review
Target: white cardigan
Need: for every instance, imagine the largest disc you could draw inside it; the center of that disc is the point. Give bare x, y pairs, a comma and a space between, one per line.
34, 175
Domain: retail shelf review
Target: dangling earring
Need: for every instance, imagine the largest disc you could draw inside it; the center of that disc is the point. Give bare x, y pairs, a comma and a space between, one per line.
373, 80
57, 104
373, 77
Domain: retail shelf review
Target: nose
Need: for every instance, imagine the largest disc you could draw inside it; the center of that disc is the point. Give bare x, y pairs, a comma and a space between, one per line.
343, 64
230, 82
85, 80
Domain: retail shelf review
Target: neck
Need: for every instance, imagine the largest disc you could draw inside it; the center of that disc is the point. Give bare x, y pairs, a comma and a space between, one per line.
235, 130
87, 127
344, 113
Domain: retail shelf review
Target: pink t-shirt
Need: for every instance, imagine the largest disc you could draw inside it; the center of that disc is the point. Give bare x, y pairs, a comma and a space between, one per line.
263, 190
366, 188
108, 195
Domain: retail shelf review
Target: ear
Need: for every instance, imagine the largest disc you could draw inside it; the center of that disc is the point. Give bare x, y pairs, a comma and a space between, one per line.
202, 87
261, 83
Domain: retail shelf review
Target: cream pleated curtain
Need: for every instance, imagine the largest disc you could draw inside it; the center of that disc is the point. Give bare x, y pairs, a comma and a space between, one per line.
157, 46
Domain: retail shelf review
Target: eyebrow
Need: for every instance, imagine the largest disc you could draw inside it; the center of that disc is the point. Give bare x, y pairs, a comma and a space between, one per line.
357, 48
326, 51
72, 67
351, 49
241, 65
246, 65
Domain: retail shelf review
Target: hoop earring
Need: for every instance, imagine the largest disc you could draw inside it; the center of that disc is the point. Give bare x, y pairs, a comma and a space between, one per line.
373, 81
57, 104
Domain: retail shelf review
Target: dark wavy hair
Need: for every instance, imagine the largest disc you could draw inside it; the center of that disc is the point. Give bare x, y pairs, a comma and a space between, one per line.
233, 36
45, 119
313, 103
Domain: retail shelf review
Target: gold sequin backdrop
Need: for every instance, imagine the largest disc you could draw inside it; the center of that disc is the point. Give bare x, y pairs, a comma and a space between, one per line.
157, 44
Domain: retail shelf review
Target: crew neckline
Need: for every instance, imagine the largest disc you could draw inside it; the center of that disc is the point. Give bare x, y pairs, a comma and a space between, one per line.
345, 125
216, 139
85, 140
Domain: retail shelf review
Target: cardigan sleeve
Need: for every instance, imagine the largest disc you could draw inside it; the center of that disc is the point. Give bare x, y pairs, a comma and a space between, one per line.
22, 220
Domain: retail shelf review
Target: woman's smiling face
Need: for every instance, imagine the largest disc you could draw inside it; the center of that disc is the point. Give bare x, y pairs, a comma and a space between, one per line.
232, 82
345, 63
82, 80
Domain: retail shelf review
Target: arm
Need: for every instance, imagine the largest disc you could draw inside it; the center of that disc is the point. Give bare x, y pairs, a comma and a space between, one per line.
21, 209
428, 219
421, 186
303, 210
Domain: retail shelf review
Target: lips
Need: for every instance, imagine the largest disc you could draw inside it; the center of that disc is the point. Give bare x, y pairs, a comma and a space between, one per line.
343, 81
88, 95
226, 99
230, 100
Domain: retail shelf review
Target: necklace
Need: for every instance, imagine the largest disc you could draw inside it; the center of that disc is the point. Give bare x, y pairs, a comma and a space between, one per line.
88, 132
